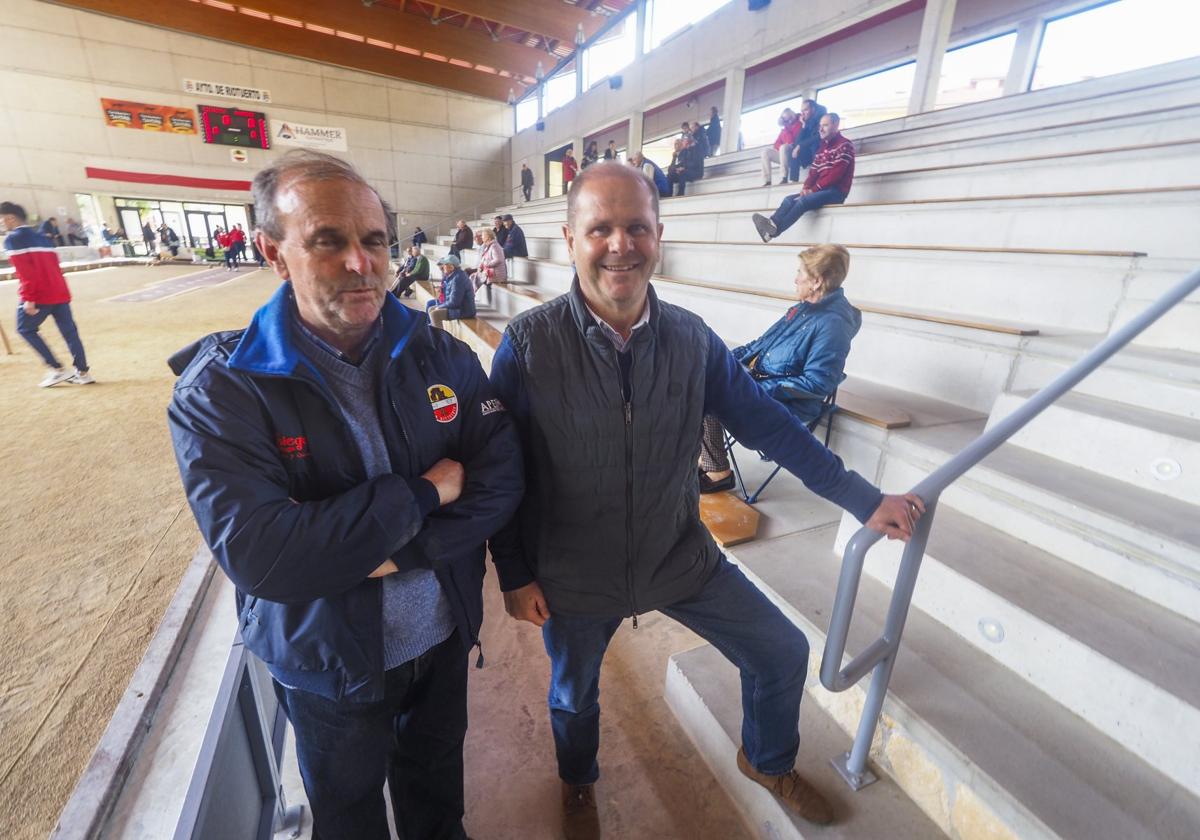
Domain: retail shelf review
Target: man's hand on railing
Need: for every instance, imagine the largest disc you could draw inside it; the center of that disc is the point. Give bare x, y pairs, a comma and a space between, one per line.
896, 516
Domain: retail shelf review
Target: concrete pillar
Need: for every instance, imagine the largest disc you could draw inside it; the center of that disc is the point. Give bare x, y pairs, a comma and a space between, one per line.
1024, 57
639, 48
578, 72
635, 133
935, 35
731, 109
541, 98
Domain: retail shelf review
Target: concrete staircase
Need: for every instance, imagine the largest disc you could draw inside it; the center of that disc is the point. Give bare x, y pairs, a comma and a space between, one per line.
1049, 680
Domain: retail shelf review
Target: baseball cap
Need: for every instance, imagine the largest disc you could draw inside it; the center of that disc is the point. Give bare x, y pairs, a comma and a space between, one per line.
450, 259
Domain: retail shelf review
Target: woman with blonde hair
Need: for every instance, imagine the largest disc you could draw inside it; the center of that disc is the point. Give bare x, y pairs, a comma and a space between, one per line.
492, 268
801, 359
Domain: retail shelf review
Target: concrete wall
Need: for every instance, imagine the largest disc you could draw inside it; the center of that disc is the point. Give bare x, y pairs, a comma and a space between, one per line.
734, 37
430, 152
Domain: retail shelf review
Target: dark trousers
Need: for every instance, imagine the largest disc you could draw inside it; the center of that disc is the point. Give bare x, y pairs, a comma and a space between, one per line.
413, 738
795, 206
736, 618
27, 326
528, 191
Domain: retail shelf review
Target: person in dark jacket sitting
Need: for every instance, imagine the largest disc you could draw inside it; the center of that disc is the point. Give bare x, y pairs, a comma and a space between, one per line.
808, 140
458, 290
687, 164
652, 171
345, 464
514, 242
800, 360
419, 238
464, 238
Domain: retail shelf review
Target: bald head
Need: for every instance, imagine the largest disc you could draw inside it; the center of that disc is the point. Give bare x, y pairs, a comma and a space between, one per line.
604, 170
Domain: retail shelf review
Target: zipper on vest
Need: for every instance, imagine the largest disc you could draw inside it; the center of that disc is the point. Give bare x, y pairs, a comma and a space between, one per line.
633, 611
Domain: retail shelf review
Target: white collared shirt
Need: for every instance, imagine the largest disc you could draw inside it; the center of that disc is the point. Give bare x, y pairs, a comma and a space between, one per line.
613, 335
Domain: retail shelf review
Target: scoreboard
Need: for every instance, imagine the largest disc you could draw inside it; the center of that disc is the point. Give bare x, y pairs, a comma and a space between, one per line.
234, 127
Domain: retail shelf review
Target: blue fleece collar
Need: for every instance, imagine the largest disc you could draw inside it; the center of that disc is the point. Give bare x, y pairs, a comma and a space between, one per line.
268, 346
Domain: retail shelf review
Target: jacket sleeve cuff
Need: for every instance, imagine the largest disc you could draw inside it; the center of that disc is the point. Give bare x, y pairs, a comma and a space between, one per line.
426, 495
512, 572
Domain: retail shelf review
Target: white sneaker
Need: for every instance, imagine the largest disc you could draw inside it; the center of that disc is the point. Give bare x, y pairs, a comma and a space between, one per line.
55, 376
84, 378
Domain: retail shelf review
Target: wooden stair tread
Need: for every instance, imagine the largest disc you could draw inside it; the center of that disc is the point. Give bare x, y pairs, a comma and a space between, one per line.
728, 518
871, 411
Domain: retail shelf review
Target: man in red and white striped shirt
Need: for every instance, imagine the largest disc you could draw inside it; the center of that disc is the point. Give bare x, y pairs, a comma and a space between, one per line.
828, 182
44, 294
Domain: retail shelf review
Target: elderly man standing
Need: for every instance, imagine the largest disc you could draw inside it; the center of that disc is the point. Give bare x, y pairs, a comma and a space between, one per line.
345, 464
828, 182
608, 387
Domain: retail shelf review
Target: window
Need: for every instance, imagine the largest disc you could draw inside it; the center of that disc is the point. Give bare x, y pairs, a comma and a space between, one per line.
612, 53
874, 98
560, 90
976, 71
1114, 38
526, 112
760, 127
666, 17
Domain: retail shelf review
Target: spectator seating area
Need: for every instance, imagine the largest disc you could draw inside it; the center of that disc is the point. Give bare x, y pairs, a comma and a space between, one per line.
1048, 684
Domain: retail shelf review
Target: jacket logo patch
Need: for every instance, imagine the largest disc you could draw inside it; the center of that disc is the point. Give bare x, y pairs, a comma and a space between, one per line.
491, 407
292, 448
444, 402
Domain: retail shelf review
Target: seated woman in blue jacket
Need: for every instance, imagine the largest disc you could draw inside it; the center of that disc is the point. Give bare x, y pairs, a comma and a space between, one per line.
457, 290
800, 359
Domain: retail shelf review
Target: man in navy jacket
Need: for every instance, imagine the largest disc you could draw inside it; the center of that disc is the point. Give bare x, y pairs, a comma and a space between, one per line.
346, 463
458, 290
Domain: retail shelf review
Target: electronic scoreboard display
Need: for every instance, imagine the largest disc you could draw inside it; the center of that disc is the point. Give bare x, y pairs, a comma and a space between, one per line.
234, 127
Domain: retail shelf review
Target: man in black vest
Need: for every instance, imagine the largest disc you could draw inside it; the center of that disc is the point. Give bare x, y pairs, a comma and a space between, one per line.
608, 387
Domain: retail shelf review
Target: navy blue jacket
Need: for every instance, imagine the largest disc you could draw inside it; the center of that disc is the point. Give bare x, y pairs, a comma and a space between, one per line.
277, 485
514, 245
459, 292
804, 353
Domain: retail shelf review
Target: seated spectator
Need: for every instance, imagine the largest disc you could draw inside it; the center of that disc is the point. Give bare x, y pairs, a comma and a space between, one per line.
49, 229
75, 234
701, 140
591, 154
611, 152
418, 237
499, 230
492, 268
652, 171
713, 131
107, 234
570, 168
828, 182
464, 238
687, 164
414, 270
781, 152
457, 292
514, 244
808, 140
800, 360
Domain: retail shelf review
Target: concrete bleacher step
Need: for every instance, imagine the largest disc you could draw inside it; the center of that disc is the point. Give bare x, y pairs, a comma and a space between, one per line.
1116, 660
983, 752
1148, 449
702, 689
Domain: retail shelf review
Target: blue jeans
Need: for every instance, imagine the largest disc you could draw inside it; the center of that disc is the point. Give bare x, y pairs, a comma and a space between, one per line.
413, 737
27, 326
795, 206
737, 619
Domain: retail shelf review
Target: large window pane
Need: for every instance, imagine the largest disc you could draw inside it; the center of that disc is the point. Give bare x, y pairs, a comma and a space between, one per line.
526, 112
880, 96
666, 17
975, 72
1116, 37
612, 53
560, 90
761, 126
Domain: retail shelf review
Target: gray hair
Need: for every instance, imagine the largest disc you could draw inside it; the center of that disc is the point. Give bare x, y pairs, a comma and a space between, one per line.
304, 165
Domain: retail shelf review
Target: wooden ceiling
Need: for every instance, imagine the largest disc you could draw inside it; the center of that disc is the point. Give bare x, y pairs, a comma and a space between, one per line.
480, 47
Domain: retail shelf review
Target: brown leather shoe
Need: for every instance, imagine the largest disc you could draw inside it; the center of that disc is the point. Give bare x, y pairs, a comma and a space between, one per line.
797, 794
581, 819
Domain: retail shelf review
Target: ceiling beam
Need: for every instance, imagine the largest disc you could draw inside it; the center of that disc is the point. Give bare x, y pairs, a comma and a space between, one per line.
545, 17
206, 21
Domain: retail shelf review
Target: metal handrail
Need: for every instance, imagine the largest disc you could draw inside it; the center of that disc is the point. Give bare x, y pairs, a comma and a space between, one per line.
880, 655
470, 213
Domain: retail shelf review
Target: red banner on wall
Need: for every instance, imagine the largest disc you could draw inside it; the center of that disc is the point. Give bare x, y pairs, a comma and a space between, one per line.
165, 118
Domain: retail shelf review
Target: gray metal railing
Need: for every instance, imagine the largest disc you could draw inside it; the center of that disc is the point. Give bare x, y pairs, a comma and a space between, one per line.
471, 212
880, 655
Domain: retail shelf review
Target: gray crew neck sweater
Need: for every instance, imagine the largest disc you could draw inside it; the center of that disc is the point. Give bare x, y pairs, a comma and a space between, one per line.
416, 614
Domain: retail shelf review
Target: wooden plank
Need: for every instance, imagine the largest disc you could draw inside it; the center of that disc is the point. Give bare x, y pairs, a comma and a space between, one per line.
728, 518
871, 411
987, 326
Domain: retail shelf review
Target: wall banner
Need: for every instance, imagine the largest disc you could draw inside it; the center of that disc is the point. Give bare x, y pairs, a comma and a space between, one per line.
329, 138
244, 94
165, 118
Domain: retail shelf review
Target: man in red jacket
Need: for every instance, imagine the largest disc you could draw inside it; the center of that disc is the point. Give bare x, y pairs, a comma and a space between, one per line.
43, 292
828, 182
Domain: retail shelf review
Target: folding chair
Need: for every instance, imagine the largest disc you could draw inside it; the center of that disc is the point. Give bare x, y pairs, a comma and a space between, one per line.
828, 409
